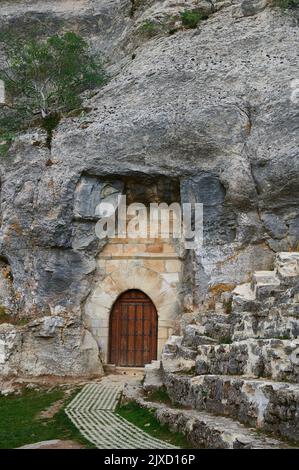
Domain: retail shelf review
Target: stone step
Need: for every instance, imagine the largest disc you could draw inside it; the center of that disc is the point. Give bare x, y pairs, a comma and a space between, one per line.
178, 364
205, 430
130, 371
194, 335
156, 363
153, 376
176, 357
264, 278
264, 284
268, 283
109, 368
270, 358
276, 322
264, 404
171, 346
244, 292
212, 325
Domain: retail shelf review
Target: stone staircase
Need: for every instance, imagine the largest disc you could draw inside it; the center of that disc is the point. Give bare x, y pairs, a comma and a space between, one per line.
235, 374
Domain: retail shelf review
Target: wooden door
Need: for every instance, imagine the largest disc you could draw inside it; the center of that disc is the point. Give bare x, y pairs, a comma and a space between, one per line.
133, 330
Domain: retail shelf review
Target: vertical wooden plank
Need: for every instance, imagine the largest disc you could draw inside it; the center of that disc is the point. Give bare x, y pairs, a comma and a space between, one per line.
123, 336
139, 336
146, 347
130, 334
154, 328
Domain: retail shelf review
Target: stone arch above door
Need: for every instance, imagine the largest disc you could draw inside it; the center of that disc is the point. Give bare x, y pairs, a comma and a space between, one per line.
153, 284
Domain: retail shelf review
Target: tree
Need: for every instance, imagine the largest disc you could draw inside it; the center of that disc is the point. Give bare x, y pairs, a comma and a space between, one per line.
45, 78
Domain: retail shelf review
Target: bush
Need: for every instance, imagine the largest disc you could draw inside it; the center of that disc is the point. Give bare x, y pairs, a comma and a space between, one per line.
286, 4
191, 18
10, 124
149, 28
44, 79
225, 340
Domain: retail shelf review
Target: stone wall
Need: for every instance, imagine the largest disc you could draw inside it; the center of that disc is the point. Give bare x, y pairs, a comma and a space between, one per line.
151, 266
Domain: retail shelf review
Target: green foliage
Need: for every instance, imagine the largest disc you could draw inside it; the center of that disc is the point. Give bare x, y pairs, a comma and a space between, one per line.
228, 306
160, 395
146, 420
49, 123
21, 425
191, 371
286, 4
283, 337
11, 319
225, 340
45, 78
10, 124
6, 140
191, 18
2, 312
149, 28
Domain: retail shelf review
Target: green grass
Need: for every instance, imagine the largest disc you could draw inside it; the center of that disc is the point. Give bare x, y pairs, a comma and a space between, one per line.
146, 420
148, 28
5, 143
13, 320
160, 396
20, 423
191, 18
225, 340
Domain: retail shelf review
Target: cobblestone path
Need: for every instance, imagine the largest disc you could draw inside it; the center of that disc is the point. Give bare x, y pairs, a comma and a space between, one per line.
92, 412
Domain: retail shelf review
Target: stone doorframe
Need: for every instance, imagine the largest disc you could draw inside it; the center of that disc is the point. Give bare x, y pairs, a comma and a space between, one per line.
99, 305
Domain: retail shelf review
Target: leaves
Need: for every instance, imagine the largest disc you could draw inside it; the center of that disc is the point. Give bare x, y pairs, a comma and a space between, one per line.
46, 77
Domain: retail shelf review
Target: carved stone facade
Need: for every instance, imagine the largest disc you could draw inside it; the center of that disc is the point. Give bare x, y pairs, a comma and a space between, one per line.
151, 266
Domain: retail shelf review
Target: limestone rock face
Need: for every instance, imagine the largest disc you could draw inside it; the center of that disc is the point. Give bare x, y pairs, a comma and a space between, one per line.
49, 346
211, 107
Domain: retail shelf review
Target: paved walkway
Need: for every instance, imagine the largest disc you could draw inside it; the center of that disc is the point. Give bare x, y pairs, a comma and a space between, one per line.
92, 412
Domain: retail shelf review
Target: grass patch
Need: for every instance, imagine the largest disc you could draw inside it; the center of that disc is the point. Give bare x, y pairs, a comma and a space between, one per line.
149, 28
159, 396
191, 18
21, 425
12, 320
146, 420
225, 340
191, 371
6, 139
228, 306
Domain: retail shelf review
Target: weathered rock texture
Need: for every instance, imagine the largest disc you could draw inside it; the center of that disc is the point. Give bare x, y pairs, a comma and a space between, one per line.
253, 381
209, 107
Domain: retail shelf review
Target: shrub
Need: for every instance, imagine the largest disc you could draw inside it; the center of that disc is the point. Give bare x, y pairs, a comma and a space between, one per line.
2, 311
286, 4
191, 18
10, 124
228, 306
159, 395
44, 79
225, 340
149, 28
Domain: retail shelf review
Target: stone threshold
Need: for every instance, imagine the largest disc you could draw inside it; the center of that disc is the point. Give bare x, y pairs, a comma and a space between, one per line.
141, 256
113, 369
